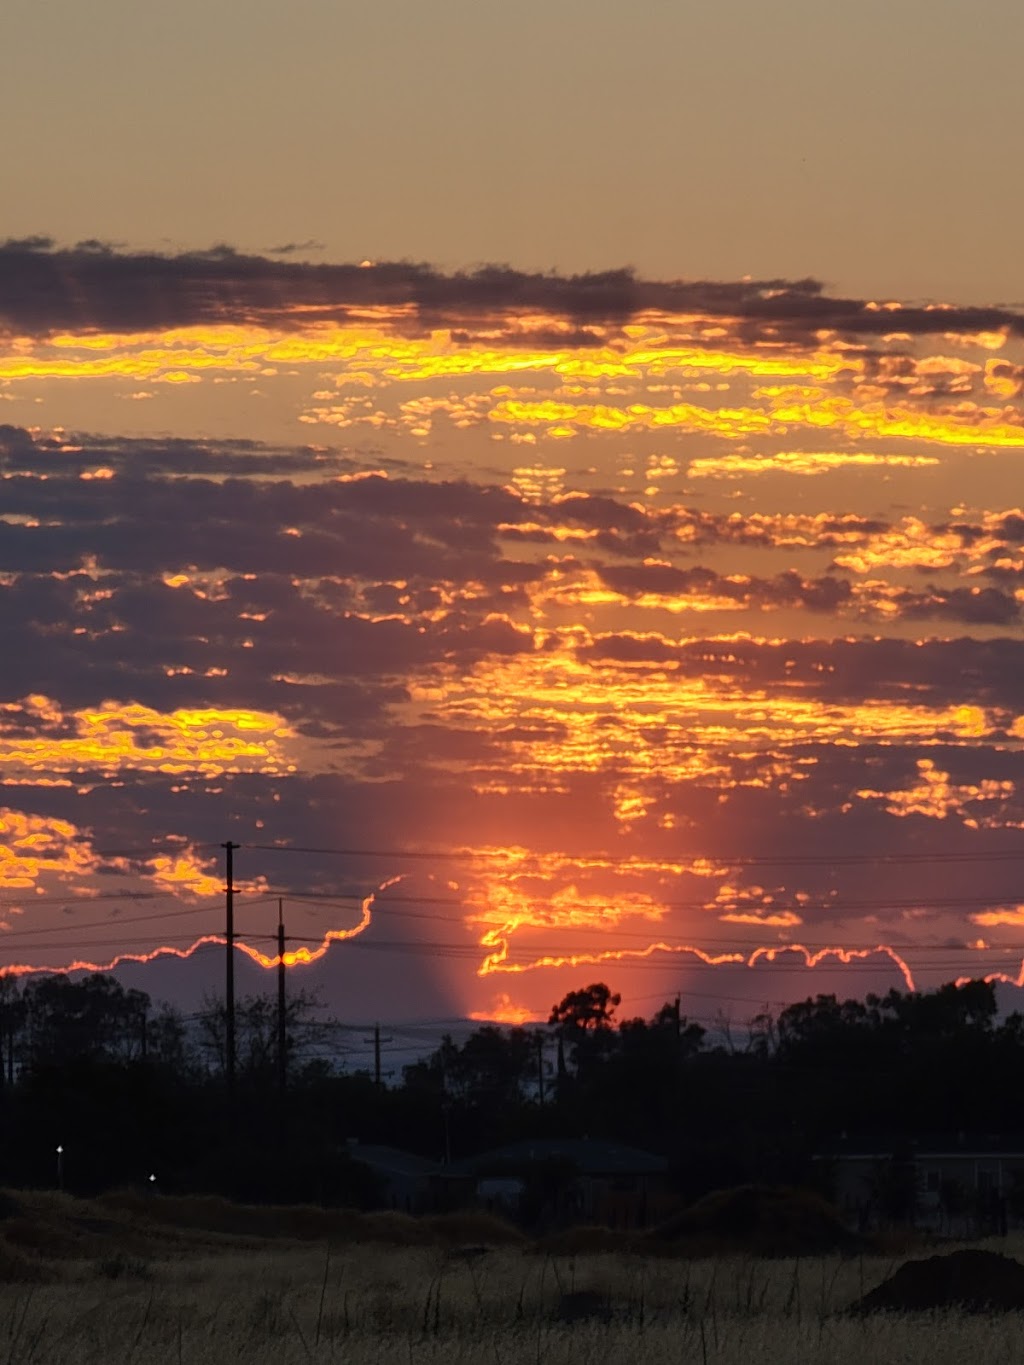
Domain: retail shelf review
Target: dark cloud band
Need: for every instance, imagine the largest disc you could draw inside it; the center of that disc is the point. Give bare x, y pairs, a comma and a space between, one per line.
44, 289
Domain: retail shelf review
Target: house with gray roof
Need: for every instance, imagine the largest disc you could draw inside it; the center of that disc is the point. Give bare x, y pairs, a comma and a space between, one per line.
554, 1182
407, 1182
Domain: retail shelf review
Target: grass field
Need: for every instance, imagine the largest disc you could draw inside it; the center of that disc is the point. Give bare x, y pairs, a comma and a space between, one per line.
144, 1281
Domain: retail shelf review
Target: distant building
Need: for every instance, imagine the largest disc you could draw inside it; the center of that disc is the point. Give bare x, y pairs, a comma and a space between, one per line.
555, 1182
407, 1181
957, 1184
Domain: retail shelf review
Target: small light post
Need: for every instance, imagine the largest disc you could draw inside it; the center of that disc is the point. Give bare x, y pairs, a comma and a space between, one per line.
152, 1183
60, 1167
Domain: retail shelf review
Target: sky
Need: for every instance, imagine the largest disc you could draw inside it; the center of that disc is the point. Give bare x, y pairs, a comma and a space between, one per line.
543, 481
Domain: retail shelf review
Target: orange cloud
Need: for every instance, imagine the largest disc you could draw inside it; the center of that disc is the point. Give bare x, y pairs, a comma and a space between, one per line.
505, 1011
801, 462
570, 419
185, 874
32, 846
936, 797
117, 736
1012, 915
961, 424
909, 545
642, 723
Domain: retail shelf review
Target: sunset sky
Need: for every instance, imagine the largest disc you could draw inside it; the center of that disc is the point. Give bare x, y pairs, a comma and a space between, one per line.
561, 464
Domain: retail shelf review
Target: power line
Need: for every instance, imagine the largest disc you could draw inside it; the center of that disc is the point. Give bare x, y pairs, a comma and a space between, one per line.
90, 897
473, 951
603, 859
861, 955
162, 941
472, 913
388, 909
683, 939
105, 923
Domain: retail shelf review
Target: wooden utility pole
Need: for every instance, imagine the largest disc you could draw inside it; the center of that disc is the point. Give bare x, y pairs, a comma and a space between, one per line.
540, 1068
378, 1074
282, 1037
229, 977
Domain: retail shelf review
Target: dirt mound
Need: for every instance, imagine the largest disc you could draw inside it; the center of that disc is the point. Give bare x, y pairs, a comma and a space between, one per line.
58, 1227
472, 1226
49, 1228
213, 1215
584, 1241
973, 1281
757, 1219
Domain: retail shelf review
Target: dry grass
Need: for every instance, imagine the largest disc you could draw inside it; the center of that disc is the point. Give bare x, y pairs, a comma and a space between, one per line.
215, 1295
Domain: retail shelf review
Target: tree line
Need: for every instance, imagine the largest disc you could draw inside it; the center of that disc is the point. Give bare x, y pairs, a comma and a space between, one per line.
131, 1090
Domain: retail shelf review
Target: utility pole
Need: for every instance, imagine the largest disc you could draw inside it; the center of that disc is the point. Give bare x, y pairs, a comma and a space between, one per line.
678, 1020
8, 1006
540, 1068
282, 1038
229, 978
376, 1040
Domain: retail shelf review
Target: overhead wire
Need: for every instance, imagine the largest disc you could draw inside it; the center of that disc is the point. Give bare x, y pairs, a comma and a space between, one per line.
922, 955
666, 943
760, 860
163, 941
494, 922
862, 960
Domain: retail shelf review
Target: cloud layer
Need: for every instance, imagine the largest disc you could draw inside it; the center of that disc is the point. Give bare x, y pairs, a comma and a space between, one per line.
46, 288
567, 607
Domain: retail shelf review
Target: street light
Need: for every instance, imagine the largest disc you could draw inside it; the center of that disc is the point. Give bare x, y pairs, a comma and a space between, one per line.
60, 1167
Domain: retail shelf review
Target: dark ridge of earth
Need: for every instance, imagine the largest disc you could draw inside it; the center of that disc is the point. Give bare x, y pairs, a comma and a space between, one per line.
973, 1281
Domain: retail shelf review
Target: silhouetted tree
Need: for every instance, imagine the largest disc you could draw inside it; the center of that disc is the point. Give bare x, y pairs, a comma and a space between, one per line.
492, 1066
129, 1088
12, 1023
585, 1020
168, 1044
256, 1033
590, 1008
95, 1018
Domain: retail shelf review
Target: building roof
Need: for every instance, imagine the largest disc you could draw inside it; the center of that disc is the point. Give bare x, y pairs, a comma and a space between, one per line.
923, 1146
590, 1156
391, 1160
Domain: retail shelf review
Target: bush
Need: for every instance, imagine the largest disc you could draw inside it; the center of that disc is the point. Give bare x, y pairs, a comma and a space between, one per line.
120, 1266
